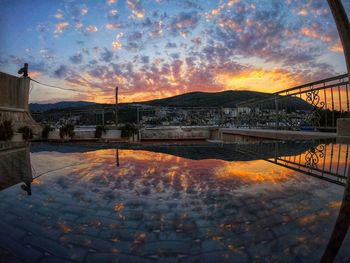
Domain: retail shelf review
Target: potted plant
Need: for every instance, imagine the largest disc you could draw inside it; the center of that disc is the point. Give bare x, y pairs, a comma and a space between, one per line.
27, 133
6, 130
45, 132
100, 129
67, 131
128, 130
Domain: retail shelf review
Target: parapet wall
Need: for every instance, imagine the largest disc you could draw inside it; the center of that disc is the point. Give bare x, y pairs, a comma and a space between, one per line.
175, 133
14, 93
14, 98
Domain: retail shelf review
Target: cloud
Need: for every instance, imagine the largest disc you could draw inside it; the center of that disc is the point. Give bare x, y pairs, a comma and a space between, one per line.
145, 59
59, 14
83, 10
113, 12
183, 22
136, 8
106, 55
111, 2
61, 72
76, 59
113, 26
337, 47
312, 33
61, 27
116, 44
171, 45
92, 29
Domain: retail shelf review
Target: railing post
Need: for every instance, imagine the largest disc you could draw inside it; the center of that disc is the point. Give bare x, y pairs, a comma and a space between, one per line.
276, 109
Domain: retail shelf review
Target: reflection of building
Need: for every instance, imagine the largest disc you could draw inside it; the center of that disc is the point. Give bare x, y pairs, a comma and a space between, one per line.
15, 167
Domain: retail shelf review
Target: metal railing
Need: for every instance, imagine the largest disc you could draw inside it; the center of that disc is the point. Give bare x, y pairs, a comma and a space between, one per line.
80, 117
316, 105
324, 161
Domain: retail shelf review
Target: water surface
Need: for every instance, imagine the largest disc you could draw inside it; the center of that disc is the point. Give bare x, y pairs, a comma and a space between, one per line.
176, 203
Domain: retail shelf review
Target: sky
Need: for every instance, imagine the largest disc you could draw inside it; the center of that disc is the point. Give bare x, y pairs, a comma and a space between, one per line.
153, 49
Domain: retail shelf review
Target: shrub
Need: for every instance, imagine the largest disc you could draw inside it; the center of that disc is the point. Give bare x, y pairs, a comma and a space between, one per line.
27, 133
45, 132
99, 130
6, 130
129, 130
67, 130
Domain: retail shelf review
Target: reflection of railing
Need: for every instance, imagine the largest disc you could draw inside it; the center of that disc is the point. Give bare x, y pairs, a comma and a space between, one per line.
309, 106
84, 117
325, 161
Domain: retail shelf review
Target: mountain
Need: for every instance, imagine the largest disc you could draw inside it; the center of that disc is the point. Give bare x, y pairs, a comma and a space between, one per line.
228, 99
35, 107
208, 99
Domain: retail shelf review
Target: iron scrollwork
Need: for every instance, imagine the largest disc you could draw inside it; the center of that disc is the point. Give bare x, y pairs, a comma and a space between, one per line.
314, 155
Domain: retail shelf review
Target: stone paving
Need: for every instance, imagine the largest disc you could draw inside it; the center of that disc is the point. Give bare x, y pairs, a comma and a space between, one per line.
160, 208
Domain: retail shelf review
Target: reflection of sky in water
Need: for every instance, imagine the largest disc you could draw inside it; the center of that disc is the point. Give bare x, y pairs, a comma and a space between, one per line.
158, 205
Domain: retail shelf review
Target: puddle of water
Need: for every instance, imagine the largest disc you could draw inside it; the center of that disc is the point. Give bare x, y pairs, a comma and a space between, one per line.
264, 202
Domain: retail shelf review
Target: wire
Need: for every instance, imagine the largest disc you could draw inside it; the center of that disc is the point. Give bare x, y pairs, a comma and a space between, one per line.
57, 87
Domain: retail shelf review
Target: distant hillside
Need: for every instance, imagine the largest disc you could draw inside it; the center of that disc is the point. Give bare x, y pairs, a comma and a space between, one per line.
208, 99
34, 107
228, 99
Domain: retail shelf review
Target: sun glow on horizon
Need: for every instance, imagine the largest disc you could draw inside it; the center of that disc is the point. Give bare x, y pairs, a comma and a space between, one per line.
257, 80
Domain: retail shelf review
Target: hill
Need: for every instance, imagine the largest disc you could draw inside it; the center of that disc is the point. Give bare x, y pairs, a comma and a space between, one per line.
208, 99
35, 107
228, 99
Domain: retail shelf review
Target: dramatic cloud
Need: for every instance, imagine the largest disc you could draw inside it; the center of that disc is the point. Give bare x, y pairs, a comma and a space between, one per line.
161, 48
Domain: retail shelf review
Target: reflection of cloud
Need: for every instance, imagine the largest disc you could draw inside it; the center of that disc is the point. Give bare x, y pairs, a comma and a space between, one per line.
252, 171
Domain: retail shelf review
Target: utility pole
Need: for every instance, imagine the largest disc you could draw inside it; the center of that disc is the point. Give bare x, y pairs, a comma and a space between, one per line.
116, 106
343, 26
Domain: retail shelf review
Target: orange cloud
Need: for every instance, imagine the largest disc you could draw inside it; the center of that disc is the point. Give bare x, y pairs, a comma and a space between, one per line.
337, 47
257, 80
311, 33
60, 27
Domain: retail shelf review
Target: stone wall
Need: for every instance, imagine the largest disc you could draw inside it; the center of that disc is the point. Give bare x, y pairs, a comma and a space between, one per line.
175, 133
14, 97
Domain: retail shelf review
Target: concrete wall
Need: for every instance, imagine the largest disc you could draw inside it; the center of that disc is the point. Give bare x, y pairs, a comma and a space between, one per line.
14, 97
175, 133
343, 127
14, 92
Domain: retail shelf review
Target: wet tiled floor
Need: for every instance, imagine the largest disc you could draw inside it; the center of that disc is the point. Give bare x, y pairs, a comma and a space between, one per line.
108, 205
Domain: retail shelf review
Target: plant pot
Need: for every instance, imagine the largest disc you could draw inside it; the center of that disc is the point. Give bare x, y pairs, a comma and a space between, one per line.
112, 134
54, 135
17, 137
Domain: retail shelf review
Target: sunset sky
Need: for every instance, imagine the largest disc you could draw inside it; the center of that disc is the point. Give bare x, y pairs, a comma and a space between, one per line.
158, 48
